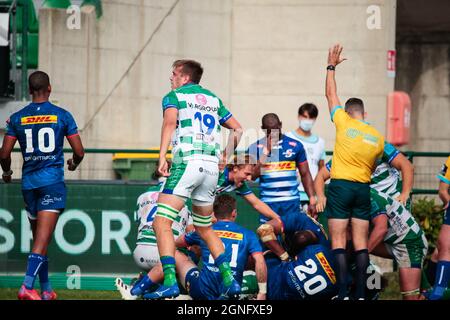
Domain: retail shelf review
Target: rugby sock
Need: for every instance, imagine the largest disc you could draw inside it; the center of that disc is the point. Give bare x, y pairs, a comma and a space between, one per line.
362, 263
140, 287
430, 271
341, 272
35, 262
43, 276
225, 270
168, 264
441, 281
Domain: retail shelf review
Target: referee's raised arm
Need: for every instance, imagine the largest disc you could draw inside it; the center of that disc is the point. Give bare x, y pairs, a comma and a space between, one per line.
334, 58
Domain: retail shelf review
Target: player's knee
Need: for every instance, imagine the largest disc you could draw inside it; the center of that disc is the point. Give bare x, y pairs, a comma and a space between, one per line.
266, 233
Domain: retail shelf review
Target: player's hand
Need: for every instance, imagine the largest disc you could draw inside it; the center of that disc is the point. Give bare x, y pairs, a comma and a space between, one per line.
312, 210
321, 203
402, 198
71, 165
261, 296
163, 168
334, 55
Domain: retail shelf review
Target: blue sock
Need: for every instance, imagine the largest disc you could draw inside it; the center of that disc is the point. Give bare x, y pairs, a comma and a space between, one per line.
35, 262
140, 287
43, 277
442, 279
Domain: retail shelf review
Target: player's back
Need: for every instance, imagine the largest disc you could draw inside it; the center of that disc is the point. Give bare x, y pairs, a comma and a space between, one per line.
310, 276
40, 129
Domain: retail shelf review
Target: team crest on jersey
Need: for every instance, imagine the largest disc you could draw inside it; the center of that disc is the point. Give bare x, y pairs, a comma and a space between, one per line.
288, 153
39, 119
326, 267
279, 166
293, 143
229, 235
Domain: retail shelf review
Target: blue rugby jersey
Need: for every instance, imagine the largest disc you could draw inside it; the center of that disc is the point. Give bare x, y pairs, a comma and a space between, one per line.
40, 129
294, 222
239, 244
310, 276
278, 181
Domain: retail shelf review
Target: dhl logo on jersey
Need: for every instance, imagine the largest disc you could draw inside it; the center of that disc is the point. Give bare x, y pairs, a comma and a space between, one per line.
39, 119
326, 266
279, 166
229, 235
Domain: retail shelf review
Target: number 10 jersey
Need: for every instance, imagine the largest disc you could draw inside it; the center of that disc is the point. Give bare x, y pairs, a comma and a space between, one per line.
40, 129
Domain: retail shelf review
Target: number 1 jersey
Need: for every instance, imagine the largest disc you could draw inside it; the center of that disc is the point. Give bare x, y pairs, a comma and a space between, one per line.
40, 129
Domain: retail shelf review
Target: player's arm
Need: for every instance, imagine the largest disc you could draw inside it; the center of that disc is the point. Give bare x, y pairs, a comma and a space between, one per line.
334, 58
5, 157
308, 184
401, 163
266, 233
168, 127
443, 193
380, 228
319, 186
261, 275
181, 242
234, 138
260, 206
78, 151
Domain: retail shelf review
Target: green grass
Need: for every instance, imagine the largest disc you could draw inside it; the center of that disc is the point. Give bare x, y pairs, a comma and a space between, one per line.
391, 292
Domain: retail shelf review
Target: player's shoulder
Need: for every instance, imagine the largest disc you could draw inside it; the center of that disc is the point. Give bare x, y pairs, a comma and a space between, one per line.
291, 142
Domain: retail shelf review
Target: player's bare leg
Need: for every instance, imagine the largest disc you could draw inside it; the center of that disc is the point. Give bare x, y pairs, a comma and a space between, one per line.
168, 208
360, 235
410, 283
202, 222
338, 234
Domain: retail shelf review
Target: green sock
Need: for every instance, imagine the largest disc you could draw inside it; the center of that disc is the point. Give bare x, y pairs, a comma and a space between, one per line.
168, 264
227, 274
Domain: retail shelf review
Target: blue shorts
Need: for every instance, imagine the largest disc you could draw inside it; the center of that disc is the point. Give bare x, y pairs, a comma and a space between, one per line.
48, 198
201, 287
447, 216
282, 208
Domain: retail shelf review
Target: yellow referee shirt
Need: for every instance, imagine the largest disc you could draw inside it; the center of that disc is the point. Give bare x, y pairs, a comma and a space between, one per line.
358, 146
444, 175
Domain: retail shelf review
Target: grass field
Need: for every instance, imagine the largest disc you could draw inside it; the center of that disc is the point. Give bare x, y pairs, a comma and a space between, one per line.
391, 292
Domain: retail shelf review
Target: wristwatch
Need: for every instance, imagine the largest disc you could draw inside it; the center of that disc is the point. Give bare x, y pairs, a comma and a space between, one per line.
7, 173
331, 67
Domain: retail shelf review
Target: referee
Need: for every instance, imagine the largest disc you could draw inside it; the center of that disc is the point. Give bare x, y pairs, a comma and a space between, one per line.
357, 148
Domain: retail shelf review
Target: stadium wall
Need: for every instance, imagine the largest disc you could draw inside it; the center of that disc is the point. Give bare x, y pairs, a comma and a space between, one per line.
259, 56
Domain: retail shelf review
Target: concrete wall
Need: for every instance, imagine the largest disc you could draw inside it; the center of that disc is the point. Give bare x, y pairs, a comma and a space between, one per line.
259, 56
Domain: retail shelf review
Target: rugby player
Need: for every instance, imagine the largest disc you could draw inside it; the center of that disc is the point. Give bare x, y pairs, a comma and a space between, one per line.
197, 116
395, 233
40, 129
279, 157
207, 284
358, 146
313, 144
442, 276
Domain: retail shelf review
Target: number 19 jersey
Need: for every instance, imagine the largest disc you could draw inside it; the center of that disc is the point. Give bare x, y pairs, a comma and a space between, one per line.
200, 116
40, 129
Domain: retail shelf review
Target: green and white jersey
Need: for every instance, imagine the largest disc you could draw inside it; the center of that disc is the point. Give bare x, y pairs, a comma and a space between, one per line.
402, 225
225, 185
200, 116
386, 179
145, 213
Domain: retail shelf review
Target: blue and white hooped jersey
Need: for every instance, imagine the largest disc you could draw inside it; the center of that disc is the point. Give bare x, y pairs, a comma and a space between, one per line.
278, 181
40, 129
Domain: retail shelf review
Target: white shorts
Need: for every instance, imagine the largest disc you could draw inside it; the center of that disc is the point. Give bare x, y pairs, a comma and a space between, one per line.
195, 179
146, 256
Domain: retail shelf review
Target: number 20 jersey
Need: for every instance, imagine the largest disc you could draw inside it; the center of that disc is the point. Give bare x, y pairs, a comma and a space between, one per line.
40, 129
310, 276
200, 116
